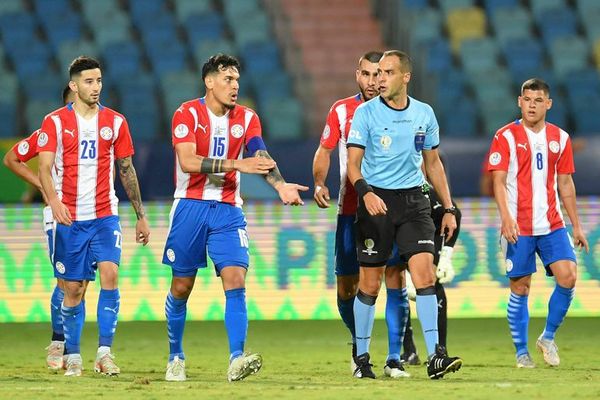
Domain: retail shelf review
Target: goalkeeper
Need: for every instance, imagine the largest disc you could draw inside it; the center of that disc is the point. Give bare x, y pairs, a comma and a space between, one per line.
444, 272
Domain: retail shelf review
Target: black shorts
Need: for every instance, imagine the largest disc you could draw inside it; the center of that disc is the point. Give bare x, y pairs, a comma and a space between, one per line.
407, 223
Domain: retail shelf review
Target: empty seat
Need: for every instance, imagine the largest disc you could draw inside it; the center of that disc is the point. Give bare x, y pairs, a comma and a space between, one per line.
62, 27
523, 55
167, 57
34, 59
260, 57
11, 6
187, 8
459, 118
45, 87
493, 6
539, 6
120, 31
283, 119
36, 110
569, 54
465, 23
200, 27
438, 57
255, 29
236, 10
479, 54
512, 23
208, 48
68, 51
557, 23
427, 25
8, 116
448, 6
122, 58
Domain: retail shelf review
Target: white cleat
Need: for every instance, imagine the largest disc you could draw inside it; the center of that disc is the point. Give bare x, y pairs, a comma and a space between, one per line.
175, 370
549, 350
525, 361
74, 365
105, 364
54, 359
394, 369
245, 365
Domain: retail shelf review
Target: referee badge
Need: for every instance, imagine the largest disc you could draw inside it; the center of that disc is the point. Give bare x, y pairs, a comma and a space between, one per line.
386, 142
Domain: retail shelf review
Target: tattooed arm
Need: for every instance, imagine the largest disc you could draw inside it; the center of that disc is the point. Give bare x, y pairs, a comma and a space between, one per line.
132, 188
288, 192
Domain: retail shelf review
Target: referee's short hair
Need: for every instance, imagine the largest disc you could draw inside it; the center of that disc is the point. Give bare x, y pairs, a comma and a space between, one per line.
405, 61
536, 84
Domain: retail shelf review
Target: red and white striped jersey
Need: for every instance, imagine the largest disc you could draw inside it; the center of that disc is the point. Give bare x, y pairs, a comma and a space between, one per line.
532, 161
85, 157
26, 149
335, 133
215, 137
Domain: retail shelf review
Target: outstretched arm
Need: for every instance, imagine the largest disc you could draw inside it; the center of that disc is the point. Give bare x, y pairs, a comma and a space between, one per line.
288, 192
132, 188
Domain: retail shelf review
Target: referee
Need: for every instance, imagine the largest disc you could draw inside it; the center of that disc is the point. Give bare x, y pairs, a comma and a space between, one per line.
390, 137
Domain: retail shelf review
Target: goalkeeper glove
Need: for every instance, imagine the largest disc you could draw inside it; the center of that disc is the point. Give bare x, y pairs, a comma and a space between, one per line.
444, 271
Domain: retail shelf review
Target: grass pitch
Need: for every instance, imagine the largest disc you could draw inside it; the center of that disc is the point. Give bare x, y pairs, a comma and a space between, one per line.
303, 360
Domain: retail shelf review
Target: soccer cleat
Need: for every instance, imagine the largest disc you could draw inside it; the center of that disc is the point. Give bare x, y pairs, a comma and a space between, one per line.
105, 364
245, 365
54, 359
363, 367
394, 369
176, 370
73, 364
525, 361
410, 359
440, 364
550, 351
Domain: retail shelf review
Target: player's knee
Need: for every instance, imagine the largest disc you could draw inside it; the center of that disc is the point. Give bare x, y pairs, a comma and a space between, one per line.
346, 291
370, 287
181, 288
568, 279
520, 288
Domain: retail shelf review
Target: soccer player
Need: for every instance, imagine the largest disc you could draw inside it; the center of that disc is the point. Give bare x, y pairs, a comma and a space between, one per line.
15, 160
335, 134
209, 136
532, 161
390, 137
444, 272
78, 145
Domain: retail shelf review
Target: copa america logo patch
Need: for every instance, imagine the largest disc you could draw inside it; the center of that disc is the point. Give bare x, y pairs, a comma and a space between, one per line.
23, 148
554, 146
509, 265
326, 132
106, 133
237, 131
495, 158
171, 255
181, 131
386, 142
60, 267
42, 139
369, 244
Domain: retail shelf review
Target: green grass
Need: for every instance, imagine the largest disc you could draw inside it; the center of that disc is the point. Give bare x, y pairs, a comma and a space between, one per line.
303, 360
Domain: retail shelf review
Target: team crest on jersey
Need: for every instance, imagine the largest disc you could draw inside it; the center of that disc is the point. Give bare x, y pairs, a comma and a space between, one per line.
171, 255
509, 265
60, 267
23, 148
106, 133
181, 131
326, 132
386, 142
237, 131
554, 146
42, 139
495, 158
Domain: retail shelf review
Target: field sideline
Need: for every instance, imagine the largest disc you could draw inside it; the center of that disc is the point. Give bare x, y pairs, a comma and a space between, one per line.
303, 360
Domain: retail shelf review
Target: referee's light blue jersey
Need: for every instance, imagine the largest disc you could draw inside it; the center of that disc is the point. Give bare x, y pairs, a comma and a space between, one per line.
393, 140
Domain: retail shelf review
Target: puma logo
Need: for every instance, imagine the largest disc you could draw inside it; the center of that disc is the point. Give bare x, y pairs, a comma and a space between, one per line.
113, 310
523, 145
203, 127
437, 205
70, 132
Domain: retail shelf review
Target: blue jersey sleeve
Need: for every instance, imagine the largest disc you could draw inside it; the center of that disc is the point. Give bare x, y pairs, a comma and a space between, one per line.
432, 134
359, 130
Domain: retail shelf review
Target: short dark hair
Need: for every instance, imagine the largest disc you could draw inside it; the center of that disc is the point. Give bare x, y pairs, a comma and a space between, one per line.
65, 94
371, 56
405, 61
535, 84
82, 63
217, 62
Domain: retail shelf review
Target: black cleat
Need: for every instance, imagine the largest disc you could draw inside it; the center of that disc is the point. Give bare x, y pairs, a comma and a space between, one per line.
410, 359
363, 367
440, 364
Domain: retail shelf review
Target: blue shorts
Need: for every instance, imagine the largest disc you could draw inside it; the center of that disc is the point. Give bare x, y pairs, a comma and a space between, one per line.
520, 257
201, 225
346, 262
50, 239
79, 246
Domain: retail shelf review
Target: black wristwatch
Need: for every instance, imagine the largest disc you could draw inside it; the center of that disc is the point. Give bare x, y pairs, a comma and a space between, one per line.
451, 210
